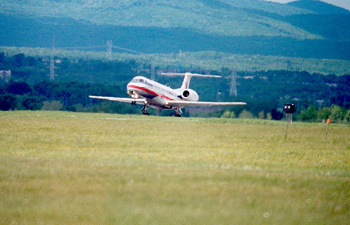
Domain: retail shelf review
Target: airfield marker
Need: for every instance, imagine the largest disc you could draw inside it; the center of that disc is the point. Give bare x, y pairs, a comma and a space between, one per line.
328, 123
289, 119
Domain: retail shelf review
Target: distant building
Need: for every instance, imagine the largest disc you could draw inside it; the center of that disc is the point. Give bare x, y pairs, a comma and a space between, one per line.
5, 74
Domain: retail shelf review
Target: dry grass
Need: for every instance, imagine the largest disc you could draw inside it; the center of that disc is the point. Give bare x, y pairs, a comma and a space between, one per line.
76, 168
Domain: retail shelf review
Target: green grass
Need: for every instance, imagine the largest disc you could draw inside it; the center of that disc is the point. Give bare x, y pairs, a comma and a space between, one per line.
80, 168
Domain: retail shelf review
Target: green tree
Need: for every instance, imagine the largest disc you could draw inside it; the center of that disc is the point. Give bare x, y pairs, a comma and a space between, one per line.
268, 116
32, 103
310, 114
7, 102
246, 114
52, 105
347, 116
323, 113
228, 114
19, 59
45, 88
337, 113
18, 88
2, 57
261, 115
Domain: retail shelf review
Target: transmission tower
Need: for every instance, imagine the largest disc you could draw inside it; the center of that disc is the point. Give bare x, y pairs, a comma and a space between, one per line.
233, 84
52, 59
109, 50
152, 72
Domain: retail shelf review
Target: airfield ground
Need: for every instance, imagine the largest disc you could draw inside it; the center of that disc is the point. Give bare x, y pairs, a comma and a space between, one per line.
80, 168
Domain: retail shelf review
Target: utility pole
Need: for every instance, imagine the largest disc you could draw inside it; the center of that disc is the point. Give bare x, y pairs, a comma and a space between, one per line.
109, 50
233, 84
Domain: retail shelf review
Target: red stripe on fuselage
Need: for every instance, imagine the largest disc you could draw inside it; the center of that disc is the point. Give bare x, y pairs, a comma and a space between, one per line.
149, 91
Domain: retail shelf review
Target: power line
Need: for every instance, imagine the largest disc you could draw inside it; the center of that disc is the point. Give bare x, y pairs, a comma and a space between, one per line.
109, 45
85, 47
128, 50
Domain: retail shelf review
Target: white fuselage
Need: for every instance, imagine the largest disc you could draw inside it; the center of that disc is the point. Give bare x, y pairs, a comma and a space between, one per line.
157, 95
150, 93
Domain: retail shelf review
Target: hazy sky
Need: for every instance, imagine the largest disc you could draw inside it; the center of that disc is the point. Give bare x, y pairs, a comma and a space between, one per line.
341, 3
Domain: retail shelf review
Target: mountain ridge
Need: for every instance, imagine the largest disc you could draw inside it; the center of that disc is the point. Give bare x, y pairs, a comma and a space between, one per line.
163, 26
225, 17
318, 7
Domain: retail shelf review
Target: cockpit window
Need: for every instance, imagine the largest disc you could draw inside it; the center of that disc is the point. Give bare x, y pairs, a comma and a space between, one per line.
140, 80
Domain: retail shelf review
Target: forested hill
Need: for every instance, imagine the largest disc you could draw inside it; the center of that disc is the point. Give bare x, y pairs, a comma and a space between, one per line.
222, 17
163, 26
328, 21
318, 7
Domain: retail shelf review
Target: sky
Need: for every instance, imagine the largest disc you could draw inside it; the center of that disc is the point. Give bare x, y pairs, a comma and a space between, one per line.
341, 3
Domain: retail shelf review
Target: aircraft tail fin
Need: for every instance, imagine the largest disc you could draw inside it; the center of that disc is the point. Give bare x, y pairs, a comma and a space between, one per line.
187, 78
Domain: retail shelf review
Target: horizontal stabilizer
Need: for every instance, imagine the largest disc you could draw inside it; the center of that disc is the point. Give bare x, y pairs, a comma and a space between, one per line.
189, 74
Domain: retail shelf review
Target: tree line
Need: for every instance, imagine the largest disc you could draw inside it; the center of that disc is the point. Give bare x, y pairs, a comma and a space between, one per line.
69, 96
73, 96
310, 114
265, 92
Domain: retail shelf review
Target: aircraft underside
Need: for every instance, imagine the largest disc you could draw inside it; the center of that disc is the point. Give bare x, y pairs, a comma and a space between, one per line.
159, 103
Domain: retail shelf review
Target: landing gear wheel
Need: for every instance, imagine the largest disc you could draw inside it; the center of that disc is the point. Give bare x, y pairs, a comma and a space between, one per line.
144, 110
178, 112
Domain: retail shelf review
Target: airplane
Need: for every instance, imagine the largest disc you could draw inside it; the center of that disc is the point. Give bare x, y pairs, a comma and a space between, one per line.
152, 94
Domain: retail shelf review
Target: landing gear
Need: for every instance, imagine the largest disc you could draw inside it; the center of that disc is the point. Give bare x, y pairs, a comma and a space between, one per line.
133, 103
144, 110
178, 112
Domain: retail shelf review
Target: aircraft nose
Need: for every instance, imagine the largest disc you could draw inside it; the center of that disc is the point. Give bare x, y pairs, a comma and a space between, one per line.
128, 88
131, 91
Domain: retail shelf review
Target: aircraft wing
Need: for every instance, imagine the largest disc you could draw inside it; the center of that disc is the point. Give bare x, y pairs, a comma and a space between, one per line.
140, 101
191, 103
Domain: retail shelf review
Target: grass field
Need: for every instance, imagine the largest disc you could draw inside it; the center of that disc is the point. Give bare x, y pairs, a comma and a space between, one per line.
80, 168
